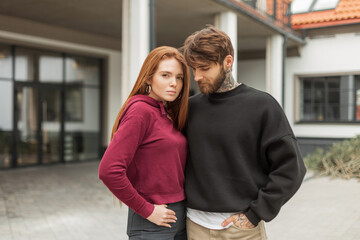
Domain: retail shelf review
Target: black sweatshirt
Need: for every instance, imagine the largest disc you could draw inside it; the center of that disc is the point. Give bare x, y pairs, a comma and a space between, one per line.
243, 154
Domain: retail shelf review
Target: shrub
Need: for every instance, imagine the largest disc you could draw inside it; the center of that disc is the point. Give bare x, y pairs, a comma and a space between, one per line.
341, 160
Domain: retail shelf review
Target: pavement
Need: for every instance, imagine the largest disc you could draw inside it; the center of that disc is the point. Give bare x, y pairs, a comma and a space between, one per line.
69, 202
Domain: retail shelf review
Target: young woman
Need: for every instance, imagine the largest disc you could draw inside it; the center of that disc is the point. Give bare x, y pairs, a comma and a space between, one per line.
144, 163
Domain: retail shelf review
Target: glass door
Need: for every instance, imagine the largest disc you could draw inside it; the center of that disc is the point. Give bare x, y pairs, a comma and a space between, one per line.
38, 120
50, 125
27, 137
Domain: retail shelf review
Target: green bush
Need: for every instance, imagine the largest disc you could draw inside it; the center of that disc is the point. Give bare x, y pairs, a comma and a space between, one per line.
341, 160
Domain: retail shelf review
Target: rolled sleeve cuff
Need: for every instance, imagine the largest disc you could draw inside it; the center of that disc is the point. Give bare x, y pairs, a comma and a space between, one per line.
253, 218
146, 210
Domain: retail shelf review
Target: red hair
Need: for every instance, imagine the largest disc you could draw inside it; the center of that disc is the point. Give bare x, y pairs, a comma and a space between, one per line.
177, 109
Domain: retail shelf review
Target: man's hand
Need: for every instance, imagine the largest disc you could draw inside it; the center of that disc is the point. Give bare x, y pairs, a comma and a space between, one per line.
239, 220
162, 216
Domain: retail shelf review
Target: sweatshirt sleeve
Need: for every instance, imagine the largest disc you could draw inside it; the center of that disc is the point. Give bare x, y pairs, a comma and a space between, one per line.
280, 150
117, 158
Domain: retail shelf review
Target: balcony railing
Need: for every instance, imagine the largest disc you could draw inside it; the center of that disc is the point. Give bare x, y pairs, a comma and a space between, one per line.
277, 9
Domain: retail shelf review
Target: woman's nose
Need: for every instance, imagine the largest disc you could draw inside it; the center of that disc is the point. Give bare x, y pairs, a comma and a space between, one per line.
173, 82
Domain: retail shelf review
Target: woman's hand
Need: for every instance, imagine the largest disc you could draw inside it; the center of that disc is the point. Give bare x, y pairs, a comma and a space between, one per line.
162, 216
240, 220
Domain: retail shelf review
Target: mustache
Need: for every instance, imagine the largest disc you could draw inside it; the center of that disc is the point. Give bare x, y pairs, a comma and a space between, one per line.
203, 81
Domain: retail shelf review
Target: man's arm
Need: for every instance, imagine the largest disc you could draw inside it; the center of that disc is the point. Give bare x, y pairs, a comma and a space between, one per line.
285, 178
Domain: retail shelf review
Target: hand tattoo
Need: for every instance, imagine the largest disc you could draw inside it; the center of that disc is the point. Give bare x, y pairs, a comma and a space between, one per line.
243, 222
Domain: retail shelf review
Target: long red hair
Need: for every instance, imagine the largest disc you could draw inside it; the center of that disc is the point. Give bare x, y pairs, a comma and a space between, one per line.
177, 109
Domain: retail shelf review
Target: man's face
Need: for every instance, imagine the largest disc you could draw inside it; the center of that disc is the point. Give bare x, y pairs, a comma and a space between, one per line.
209, 76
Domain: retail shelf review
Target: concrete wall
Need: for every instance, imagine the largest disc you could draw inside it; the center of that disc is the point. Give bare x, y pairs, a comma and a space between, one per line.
253, 73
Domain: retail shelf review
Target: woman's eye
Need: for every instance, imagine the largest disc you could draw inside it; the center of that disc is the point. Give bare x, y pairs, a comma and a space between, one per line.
165, 75
180, 78
204, 69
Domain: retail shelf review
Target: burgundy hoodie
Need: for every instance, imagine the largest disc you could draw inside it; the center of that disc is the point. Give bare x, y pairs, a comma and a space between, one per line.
145, 161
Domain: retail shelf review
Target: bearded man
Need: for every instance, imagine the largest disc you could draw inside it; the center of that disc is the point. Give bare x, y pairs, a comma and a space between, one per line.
244, 161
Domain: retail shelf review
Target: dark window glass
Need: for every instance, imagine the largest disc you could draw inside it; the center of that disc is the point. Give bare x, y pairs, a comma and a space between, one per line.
82, 137
306, 112
82, 71
74, 103
28, 117
38, 66
318, 99
5, 62
51, 125
357, 94
333, 99
50, 68
330, 99
6, 119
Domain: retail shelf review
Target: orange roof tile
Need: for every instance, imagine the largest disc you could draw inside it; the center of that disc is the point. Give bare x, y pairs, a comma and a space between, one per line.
346, 12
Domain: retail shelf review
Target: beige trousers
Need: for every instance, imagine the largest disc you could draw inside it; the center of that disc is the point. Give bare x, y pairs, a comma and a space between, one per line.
198, 232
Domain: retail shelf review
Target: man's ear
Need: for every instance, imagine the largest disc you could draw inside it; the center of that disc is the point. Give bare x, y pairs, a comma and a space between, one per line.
228, 62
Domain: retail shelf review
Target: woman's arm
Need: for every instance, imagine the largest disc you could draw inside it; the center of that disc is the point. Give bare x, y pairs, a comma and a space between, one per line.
117, 158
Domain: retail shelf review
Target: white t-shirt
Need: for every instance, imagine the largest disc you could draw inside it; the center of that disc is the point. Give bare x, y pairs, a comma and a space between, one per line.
211, 220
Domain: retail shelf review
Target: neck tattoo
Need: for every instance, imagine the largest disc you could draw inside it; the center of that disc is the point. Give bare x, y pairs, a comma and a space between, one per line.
229, 82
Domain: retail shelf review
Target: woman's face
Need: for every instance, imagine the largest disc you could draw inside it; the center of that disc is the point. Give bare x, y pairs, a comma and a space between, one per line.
167, 81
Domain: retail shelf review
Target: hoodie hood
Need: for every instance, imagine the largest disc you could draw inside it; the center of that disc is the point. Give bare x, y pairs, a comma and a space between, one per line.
148, 100
143, 98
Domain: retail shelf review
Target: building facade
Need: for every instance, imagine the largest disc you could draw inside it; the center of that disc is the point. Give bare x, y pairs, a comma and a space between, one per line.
67, 66
322, 91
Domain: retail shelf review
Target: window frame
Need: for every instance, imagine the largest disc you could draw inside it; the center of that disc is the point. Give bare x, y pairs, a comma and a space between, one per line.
102, 61
311, 8
299, 101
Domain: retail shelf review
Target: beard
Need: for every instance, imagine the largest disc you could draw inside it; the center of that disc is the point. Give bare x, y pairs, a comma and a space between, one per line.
207, 87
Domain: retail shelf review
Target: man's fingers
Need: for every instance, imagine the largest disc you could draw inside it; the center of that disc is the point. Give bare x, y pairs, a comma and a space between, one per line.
228, 220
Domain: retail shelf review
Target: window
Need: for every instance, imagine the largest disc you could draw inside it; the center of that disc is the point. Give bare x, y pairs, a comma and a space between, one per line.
324, 5
38, 66
74, 103
357, 98
51, 68
300, 6
5, 62
50, 106
303, 6
330, 99
82, 70
6, 119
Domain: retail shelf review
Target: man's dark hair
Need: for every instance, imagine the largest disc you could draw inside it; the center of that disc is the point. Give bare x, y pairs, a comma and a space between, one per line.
207, 45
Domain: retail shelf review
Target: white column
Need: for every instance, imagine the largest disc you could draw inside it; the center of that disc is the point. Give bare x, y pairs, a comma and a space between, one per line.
227, 21
274, 54
135, 41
